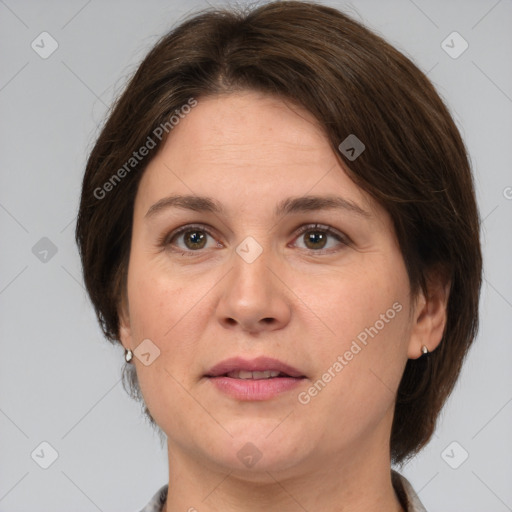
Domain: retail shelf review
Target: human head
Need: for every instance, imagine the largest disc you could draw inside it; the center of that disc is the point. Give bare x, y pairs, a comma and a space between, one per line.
351, 81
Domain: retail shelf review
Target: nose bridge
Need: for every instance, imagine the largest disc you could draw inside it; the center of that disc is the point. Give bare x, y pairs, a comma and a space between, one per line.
252, 260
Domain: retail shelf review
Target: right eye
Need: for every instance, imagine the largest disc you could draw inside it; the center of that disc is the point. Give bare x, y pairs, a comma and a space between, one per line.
193, 237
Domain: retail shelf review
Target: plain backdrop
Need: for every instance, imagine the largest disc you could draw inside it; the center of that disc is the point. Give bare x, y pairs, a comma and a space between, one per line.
60, 380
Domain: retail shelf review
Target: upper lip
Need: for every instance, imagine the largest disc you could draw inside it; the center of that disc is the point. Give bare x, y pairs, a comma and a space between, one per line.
261, 363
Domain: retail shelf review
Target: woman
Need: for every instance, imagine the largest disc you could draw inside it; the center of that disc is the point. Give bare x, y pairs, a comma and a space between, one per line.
278, 223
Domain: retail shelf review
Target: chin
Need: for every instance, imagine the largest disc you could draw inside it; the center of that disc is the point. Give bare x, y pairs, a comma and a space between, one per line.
252, 456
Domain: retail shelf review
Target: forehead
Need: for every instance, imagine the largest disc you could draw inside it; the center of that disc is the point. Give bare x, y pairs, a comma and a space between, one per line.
247, 148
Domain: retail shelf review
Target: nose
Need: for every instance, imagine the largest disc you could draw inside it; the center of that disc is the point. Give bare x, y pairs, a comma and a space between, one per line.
254, 297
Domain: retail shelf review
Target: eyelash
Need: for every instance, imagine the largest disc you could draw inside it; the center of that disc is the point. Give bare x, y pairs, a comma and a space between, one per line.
165, 240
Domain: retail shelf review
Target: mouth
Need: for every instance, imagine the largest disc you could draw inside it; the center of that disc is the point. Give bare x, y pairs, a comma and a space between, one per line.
252, 380
260, 368
256, 375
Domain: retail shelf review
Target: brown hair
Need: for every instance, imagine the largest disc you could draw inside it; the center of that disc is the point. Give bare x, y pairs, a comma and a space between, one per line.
415, 163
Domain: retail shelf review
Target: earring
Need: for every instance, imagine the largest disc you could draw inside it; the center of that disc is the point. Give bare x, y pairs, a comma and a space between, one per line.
128, 355
424, 349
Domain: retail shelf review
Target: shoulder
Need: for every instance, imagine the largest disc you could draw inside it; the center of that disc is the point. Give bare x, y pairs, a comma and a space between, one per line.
408, 497
156, 504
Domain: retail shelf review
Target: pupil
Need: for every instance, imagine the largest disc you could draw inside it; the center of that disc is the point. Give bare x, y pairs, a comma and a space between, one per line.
318, 237
195, 238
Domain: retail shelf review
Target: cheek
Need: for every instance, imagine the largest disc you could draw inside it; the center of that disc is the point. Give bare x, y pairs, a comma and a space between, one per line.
359, 367
169, 308
158, 297
354, 301
158, 311
367, 317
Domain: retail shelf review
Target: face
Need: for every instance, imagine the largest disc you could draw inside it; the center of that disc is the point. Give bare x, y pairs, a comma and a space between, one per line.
320, 286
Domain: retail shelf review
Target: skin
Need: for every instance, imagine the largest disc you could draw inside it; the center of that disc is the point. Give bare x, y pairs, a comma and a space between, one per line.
202, 305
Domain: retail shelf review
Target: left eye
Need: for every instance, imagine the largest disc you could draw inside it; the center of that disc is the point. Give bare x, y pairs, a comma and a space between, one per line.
315, 237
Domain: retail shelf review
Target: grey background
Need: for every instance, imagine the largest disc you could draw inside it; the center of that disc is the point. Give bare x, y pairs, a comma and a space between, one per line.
60, 380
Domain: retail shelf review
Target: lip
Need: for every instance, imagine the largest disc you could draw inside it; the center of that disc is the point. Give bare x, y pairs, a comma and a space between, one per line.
261, 363
254, 389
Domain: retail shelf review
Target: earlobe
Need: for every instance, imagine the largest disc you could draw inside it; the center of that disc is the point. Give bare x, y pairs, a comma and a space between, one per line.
429, 317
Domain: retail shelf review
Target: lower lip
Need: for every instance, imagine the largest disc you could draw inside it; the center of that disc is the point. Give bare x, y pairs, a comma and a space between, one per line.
255, 389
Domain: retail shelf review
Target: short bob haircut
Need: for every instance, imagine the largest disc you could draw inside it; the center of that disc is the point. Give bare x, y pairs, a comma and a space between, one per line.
415, 163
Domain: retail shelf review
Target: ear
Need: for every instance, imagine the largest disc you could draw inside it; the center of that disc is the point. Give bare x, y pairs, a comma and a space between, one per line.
429, 315
125, 331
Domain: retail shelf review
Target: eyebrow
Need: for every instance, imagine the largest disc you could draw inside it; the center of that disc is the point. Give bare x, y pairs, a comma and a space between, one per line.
287, 206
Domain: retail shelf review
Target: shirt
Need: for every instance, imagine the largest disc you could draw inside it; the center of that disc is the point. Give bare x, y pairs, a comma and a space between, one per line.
403, 488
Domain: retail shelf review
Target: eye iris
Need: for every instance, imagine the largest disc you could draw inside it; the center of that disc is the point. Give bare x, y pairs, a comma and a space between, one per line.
195, 237
315, 237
